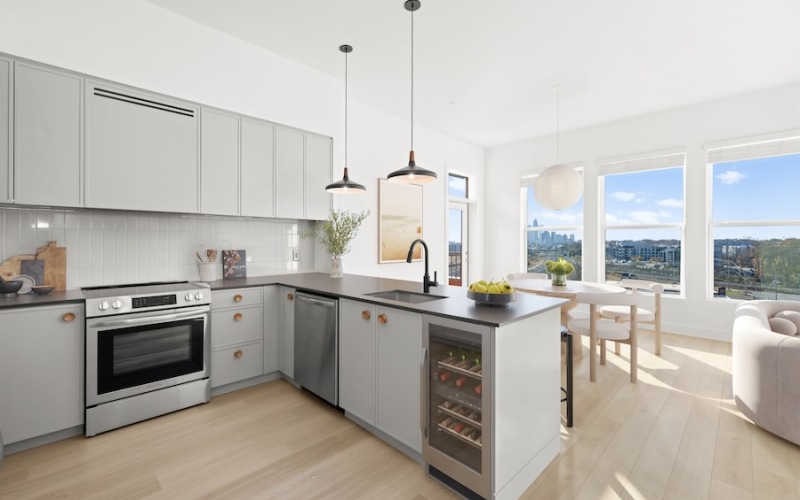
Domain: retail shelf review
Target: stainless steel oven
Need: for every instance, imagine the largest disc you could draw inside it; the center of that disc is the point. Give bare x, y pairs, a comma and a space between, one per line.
147, 352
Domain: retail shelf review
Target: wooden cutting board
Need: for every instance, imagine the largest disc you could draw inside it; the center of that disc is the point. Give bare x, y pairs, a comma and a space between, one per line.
55, 264
12, 267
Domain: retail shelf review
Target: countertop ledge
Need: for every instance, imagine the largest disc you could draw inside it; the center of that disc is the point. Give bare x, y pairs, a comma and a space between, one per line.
456, 305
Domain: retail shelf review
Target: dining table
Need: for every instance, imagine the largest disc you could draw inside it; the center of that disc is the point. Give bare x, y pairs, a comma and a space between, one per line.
569, 291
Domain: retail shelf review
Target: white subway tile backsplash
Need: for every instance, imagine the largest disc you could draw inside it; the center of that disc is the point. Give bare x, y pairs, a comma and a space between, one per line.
106, 247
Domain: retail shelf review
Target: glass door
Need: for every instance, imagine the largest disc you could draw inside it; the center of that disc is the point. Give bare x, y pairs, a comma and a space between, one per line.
457, 244
455, 416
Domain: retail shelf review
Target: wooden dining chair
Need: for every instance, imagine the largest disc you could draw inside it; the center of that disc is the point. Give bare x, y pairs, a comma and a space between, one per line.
651, 316
600, 330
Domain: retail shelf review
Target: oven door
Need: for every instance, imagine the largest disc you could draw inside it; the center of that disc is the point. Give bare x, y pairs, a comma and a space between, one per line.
138, 353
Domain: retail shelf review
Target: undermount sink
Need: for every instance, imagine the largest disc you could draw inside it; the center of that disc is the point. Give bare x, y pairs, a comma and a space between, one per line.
405, 296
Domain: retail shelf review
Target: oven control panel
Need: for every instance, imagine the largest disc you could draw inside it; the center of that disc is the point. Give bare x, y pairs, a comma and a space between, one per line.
109, 305
154, 301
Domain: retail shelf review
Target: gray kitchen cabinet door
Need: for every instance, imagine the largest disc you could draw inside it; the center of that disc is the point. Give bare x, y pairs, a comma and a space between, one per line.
47, 136
219, 163
6, 126
272, 353
258, 169
399, 347
289, 161
286, 306
319, 151
41, 369
141, 151
357, 359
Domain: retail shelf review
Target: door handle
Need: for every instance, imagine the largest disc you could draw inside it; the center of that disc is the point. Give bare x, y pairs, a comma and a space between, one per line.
382, 319
365, 315
424, 396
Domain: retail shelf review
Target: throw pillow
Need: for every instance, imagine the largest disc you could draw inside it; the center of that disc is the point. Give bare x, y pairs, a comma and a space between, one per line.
782, 325
793, 316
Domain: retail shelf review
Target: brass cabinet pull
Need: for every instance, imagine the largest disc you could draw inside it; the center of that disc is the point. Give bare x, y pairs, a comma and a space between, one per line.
237, 298
68, 317
365, 315
238, 354
290, 296
382, 319
237, 317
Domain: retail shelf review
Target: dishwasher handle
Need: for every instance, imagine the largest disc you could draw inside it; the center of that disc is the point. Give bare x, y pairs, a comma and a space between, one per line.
316, 302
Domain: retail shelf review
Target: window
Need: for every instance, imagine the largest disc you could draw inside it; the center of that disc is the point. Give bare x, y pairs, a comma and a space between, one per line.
457, 229
754, 220
550, 234
457, 186
644, 219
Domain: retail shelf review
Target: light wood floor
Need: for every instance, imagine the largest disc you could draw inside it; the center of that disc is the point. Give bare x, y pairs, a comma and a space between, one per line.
674, 434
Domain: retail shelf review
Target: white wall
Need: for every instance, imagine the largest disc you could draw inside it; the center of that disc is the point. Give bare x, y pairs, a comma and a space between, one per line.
139, 44
757, 113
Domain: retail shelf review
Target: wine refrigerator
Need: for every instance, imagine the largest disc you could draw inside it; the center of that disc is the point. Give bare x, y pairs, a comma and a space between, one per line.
456, 421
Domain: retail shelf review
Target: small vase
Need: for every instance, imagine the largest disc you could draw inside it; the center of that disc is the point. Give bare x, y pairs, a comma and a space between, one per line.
558, 279
336, 266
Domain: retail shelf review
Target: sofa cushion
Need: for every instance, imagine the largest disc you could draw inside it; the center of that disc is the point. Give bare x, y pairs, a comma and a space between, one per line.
793, 316
782, 325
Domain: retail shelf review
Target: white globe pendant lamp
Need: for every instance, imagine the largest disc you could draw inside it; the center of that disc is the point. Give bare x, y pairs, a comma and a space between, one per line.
558, 187
411, 173
345, 186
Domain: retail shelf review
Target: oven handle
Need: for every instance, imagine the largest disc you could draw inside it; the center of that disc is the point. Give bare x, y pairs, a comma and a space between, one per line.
161, 318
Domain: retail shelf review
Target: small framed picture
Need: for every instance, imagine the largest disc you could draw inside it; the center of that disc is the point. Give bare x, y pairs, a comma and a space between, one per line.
234, 264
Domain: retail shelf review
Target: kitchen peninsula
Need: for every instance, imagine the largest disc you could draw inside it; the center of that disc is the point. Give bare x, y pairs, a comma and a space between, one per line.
470, 390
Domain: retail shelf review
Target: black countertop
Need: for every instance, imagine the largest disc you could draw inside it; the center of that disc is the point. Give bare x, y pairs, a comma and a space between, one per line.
456, 305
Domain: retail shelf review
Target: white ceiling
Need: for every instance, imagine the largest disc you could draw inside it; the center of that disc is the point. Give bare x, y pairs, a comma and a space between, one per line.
485, 70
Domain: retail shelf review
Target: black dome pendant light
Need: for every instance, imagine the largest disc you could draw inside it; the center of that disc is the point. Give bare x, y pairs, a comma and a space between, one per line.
411, 173
345, 186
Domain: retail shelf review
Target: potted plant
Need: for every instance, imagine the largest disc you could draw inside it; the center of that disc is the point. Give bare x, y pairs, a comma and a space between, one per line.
335, 234
559, 270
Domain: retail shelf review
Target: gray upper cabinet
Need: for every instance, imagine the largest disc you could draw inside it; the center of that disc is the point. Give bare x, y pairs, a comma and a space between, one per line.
257, 169
141, 151
47, 136
317, 176
289, 153
6, 126
219, 163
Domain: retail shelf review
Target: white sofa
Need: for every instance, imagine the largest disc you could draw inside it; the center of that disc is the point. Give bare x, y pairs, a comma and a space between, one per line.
766, 368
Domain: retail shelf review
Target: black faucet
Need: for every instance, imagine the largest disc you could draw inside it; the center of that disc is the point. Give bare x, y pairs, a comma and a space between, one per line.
426, 280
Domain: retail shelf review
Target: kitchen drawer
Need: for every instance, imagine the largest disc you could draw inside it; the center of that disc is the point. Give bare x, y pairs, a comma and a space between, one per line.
236, 363
239, 297
236, 326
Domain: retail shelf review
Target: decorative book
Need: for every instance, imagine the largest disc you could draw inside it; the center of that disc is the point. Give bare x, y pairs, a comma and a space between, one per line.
234, 264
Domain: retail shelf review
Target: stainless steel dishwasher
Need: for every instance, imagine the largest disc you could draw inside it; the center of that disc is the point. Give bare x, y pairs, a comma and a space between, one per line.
316, 345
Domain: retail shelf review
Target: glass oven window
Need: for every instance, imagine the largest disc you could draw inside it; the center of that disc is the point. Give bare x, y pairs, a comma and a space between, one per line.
128, 357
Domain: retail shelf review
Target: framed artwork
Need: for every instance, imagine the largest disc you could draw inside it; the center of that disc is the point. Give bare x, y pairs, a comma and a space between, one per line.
399, 219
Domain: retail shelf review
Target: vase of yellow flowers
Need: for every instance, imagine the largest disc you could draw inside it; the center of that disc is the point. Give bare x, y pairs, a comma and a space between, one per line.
559, 270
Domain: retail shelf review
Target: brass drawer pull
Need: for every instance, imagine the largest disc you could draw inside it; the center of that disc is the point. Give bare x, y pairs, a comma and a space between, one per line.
237, 298
237, 317
238, 354
290, 296
68, 317
365, 315
382, 319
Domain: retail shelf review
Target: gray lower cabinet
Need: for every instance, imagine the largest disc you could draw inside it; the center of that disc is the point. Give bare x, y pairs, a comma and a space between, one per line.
41, 370
379, 368
286, 313
237, 326
48, 136
272, 342
141, 151
257, 169
219, 162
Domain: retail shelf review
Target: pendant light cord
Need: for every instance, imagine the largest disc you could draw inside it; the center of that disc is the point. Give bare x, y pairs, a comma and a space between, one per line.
412, 80
345, 109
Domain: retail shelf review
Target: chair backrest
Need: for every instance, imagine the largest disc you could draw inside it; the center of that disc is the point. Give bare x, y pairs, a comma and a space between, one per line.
528, 276
648, 286
608, 299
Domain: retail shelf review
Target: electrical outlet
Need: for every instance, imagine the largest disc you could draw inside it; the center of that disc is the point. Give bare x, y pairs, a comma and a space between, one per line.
295, 254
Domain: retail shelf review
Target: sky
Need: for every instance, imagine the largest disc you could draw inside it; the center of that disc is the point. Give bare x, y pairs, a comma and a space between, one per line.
752, 190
